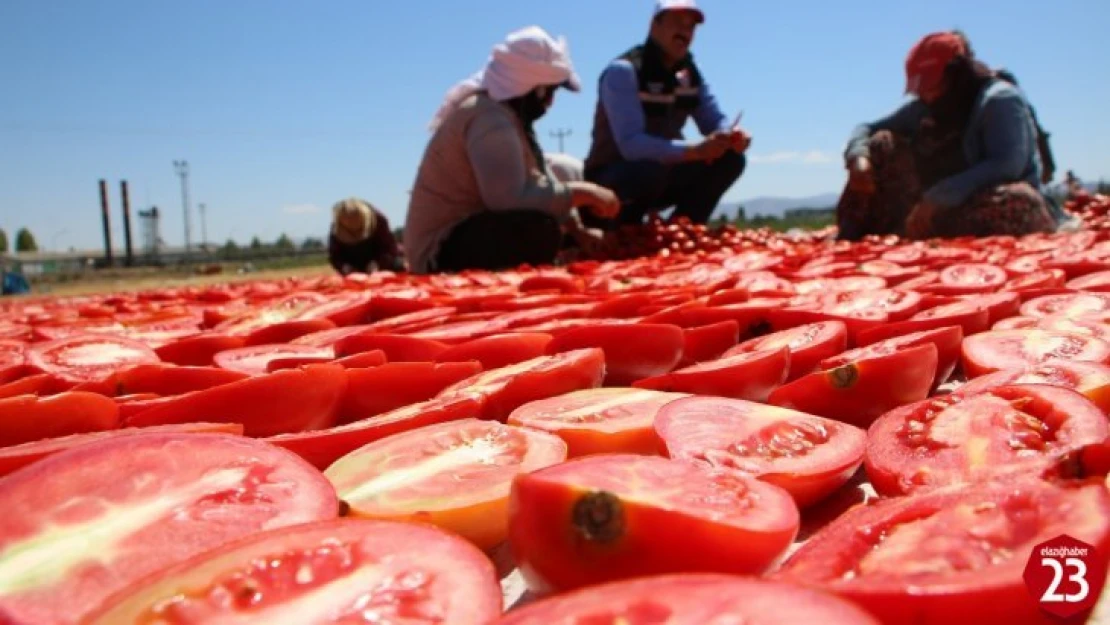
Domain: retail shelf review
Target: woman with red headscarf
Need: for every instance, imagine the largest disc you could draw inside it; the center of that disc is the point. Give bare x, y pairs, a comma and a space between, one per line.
961, 158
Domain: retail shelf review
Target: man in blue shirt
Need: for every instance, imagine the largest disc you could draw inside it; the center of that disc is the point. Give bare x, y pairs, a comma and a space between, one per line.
646, 97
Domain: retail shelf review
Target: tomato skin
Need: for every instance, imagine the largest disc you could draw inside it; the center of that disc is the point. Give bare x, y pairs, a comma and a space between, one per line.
751, 375
170, 380
27, 418
972, 321
632, 351
500, 350
292, 400
197, 351
808, 344
807, 456
1015, 349
858, 392
468, 497
969, 437
397, 347
947, 340
38, 384
256, 359
253, 485
462, 582
18, 456
691, 599
557, 549
987, 594
391, 386
708, 342
1091, 379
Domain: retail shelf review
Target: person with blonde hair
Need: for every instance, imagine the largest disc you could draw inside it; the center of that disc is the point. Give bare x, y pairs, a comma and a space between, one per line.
486, 196
360, 239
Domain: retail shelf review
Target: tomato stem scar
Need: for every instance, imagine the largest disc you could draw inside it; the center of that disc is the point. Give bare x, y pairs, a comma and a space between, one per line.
844, 376
599, 517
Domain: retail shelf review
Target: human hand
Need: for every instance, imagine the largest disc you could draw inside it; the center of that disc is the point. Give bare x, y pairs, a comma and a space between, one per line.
919, 224
596, 198
589, 240
861, 177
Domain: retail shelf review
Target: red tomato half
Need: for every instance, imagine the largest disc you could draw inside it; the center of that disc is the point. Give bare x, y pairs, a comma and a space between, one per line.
708, 342
292, 400
88, 357
752, 375
632, 351
808, 345
808, 456
454, 475
1090, 379
858, 392
27, 418
378, 390
967, 438
970, 278
19, 456
1098, 282
323, 447
167, 380
308, 574
198, 350
950, 556
971, 318
506, 389
1016, 349
146, 502
1068, 305
256, 360
500, 350
397, 347
600, 420
947, 340
691, 599
610, 517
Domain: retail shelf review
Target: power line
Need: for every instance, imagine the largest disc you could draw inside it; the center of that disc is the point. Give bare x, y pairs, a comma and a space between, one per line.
561, 134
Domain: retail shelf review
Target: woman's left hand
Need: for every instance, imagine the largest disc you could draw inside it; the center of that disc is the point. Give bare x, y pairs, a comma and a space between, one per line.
919, 224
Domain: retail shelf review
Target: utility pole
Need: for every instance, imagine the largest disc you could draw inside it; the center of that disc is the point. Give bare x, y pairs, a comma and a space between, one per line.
203, 226
182, 169
560, 134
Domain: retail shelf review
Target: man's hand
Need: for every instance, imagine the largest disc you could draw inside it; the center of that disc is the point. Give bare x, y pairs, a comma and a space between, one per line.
861, 178
711, 148
589, 240
919, 224
596, 198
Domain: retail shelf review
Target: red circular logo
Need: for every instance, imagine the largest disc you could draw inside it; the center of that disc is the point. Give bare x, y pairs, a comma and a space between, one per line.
1065, 576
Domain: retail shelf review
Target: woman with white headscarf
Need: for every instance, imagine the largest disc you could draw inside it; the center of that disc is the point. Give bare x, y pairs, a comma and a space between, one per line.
485, 195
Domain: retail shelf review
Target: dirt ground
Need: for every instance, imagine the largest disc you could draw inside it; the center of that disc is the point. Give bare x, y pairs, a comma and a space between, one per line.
117, 283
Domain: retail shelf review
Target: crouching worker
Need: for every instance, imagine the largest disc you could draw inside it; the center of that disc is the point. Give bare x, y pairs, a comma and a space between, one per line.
486, 196
360, 239
959, 159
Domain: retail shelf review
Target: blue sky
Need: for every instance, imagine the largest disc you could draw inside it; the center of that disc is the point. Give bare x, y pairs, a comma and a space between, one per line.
284, 107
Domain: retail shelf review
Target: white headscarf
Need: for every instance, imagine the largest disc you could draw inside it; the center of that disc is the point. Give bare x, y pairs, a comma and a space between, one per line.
528, 58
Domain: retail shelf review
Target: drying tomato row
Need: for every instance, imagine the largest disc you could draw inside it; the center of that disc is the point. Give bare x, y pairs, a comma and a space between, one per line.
674, 439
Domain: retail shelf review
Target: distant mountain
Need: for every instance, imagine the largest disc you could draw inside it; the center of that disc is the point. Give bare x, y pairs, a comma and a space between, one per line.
777, 206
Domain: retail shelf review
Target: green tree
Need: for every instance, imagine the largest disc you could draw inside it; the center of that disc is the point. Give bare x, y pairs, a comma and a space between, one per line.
230, 249
25, 241
256, 243
3, 241
312, 244
284, 243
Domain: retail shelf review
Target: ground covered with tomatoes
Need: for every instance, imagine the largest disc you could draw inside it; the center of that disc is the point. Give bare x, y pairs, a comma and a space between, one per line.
744, 427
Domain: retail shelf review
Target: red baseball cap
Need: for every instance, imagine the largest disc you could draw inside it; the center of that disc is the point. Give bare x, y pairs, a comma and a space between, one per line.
929, 57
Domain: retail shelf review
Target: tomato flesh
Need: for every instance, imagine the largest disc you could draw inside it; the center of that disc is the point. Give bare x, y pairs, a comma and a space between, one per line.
632, 351
750, 375
1090, 379
1015, 349
88, 357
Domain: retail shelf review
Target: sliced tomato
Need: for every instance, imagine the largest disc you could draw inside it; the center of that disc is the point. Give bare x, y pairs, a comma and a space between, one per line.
808, 456
506, 389
1068, 304
454, 475
1090, 326
1016, 349
708, 342
501, 350
620, 307
378, 390
951, 556
146, 501
1090, 379
18, 456
198, 350
39, 384
613, 516
691, 599
397, 347
999, 305
293, 400
1098, 281
304, 574
163, 379
1049, 278
858, 391
947, 340
278, 312
601, 420
328, 338
808, 345
88, 357
965, 438
27, 418
323, 447
255, 360
342, 309
751, 375
963, 278
632, 351
972, 319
